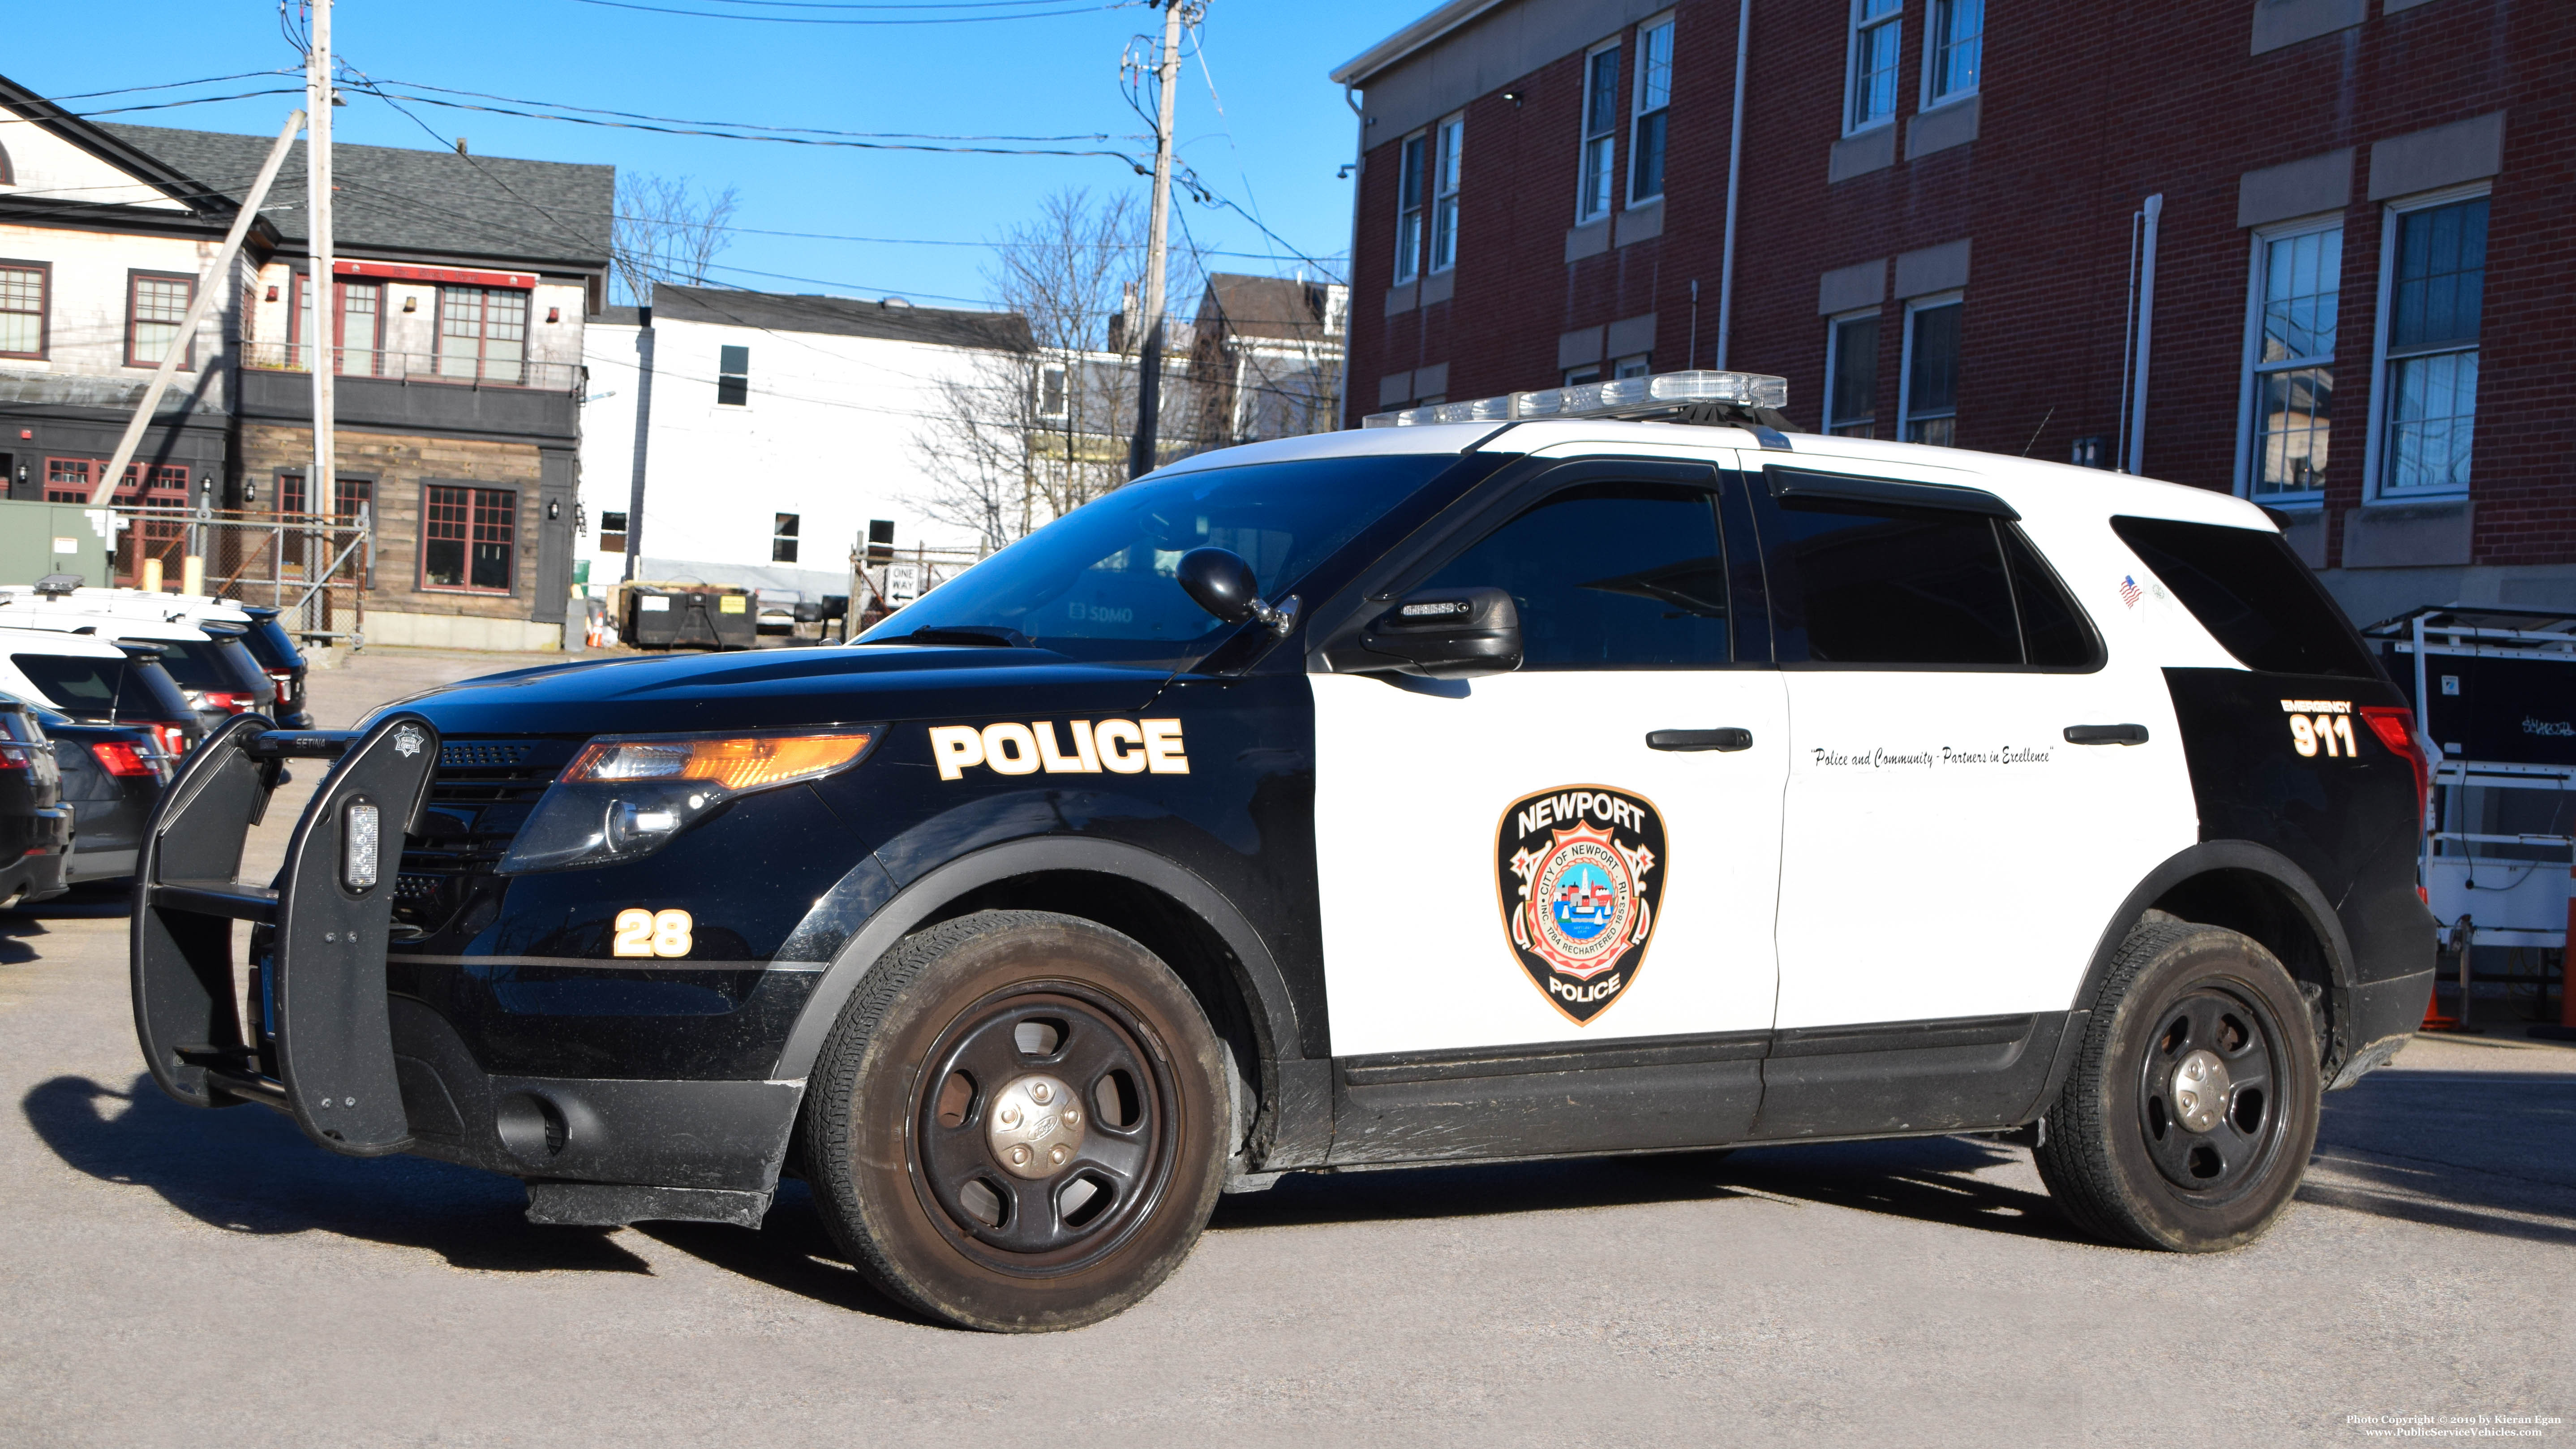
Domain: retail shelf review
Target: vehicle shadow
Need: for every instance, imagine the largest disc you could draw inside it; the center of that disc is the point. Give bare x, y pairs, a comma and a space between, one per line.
248, 1170
1927, 1179
2483, 1152
791, 1252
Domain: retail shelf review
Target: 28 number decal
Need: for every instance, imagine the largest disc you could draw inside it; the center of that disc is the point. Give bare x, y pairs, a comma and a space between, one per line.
652, 933
2322, 724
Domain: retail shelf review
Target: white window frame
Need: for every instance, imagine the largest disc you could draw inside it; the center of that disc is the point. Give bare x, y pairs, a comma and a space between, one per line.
1932, 15
1409, 228
1853, 25
1577, 376
1639, 111
2374, 454
1637, 364
1448, 139
1905, 372
1833, 356
1607, 137
2249, 387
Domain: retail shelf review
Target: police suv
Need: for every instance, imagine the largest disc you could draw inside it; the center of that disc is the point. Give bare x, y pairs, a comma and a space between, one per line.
1534, 777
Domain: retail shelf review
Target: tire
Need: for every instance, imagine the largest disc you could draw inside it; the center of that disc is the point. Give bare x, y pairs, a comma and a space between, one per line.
2192, 1107
1018, 1123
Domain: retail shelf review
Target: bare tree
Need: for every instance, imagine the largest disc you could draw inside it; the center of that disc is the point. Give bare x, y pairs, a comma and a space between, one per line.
1018, 438
667, 231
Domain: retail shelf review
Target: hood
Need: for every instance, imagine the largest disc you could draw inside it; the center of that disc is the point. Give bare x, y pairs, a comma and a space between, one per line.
778, 688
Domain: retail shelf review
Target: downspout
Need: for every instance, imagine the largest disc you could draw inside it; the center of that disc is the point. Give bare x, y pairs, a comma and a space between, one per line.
643, 436
2153, 210
1734, 176
1350, 306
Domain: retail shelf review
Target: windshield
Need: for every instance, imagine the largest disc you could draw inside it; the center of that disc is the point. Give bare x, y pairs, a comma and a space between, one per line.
1097, 583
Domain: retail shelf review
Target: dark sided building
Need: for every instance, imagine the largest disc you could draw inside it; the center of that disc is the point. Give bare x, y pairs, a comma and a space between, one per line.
2309, 251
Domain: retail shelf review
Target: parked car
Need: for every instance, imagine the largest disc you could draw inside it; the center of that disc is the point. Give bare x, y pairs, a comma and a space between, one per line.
276, 651
269, 643
35, 825
112, 776
211, 663
96, 681
1576, 785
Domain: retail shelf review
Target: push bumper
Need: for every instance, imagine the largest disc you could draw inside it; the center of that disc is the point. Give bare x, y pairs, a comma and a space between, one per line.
365, 1073
327, 1060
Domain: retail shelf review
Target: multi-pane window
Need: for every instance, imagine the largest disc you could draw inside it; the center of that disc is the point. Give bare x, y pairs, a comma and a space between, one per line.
782, 537
733, 376
22, 310
612, 532
1952, 54
1412, 172
1444, 196
482, 333
2294, 345
1051, 398
1877, 26
1851, 377
2436, 293
1654, 109
1600, 132
1932, 373
468, 538
155, 304
1637, 366
358, 331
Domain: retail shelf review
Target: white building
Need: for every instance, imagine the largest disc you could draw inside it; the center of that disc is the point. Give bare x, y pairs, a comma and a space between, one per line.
781, 428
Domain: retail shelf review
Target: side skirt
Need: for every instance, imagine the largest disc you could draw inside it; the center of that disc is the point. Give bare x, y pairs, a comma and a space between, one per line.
1640, 1094
1896, 1078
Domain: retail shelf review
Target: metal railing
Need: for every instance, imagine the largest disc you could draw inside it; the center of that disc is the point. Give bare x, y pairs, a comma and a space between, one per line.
417, 366
314, 567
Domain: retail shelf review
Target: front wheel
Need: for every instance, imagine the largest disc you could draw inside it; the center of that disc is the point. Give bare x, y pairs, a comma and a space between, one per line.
1018, 1123
2192, 1108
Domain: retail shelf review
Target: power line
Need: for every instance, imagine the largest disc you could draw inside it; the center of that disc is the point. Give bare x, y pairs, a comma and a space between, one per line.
822, 20
730, 125
198, 101
781, 140
170, 85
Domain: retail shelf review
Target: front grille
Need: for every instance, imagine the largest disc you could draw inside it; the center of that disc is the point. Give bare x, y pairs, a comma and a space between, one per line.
480, 797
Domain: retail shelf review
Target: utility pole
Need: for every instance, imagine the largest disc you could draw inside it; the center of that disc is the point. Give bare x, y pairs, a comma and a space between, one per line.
1149, 382
322, 497
643, 427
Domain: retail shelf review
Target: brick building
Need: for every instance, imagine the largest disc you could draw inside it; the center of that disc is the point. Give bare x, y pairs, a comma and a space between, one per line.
2309, 251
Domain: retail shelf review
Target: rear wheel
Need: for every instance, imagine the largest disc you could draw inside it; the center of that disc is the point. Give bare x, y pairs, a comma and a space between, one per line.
2190, 1113
1018, 1123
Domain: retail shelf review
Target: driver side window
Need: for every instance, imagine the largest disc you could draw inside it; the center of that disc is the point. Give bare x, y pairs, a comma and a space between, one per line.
1609, 576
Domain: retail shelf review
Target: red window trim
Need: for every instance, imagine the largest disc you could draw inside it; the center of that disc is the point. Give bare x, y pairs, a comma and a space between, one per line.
45, 306
420, 564
454, 276
173, 476
133, 275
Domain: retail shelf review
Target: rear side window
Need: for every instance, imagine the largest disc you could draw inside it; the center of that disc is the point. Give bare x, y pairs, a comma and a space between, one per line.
149, 693
2054, 633
1609, 576
2252, 594
272, 646
78, 686
1855, 583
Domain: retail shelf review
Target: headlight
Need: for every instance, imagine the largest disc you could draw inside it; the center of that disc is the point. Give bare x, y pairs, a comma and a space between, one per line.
625, 796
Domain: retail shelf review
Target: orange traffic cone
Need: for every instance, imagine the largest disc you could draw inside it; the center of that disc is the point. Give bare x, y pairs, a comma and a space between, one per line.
2462, 933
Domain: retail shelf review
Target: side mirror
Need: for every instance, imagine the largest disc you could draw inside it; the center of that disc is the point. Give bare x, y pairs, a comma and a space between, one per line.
1219, 581
1442, 633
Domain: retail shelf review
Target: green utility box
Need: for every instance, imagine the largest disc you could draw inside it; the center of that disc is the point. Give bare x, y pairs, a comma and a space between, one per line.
37, 539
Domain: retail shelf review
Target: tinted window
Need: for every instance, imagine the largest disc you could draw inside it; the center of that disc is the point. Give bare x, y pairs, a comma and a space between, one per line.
1097, 583
85, 687
1609, 576
1857, 583
149, 693
2054, 632
2252, 594
271, 645
197, 664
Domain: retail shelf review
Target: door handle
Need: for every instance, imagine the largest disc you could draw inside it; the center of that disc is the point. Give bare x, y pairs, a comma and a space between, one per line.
2123, 734
1725, 739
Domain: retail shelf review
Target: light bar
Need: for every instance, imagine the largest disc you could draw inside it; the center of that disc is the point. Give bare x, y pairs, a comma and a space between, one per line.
1619, 397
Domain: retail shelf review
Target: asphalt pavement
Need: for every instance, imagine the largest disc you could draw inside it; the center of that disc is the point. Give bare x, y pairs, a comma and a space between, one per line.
173, 1276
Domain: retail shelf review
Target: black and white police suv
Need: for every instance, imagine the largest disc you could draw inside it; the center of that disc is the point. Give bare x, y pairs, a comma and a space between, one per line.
1523, 780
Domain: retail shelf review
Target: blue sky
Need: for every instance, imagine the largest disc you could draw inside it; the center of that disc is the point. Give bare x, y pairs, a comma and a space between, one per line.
1273, 147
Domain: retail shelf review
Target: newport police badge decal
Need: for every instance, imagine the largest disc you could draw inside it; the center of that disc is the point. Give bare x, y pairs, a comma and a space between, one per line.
1580, 873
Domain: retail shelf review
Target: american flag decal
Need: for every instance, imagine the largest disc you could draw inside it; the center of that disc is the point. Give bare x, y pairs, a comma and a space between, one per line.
2130, 593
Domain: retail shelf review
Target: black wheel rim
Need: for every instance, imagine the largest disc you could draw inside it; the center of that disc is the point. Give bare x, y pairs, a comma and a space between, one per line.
1043, 1218
2209, 1092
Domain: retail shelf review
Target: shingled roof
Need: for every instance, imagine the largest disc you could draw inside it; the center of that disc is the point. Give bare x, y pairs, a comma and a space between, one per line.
843, 316
394, 201
1272, 307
